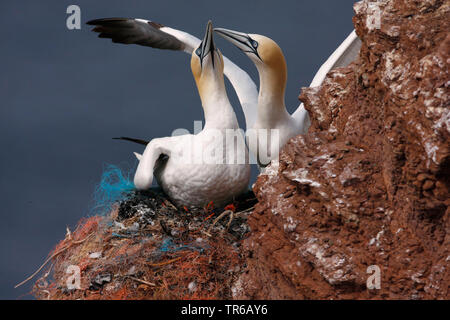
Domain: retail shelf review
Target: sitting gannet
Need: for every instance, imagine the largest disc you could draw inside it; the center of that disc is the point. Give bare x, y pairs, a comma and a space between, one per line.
155, 35
271, 64
208, 166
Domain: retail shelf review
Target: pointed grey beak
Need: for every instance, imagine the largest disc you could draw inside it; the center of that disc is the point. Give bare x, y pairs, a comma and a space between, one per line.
207, 46
240, 40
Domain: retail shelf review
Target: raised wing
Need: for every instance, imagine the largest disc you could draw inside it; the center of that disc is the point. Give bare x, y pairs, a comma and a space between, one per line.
346, 53
155, 35
136, 31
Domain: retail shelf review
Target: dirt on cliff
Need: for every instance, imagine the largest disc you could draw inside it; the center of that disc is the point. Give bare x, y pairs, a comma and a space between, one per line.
367, 189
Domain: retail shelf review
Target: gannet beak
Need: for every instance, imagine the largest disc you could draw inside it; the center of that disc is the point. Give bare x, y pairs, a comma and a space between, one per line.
207, 46
241, 40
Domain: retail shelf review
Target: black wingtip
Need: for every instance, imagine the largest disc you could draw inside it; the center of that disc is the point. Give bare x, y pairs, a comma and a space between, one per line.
95, 22
103, 21
138, 141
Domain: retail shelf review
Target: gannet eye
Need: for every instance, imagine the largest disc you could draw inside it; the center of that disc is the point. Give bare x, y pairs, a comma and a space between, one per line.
198, 52
254, 44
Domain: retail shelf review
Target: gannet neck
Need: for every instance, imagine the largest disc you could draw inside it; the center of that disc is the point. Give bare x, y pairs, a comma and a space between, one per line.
272, 87
219, 113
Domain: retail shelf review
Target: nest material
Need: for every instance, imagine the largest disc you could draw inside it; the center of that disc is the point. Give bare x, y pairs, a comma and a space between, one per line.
146, 248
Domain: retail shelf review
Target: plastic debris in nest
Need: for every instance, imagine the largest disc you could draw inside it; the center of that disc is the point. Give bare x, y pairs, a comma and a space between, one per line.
146, 248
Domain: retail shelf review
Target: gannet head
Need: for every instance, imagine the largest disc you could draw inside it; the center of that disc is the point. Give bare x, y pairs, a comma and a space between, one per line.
267, 57
207, 64
261, 49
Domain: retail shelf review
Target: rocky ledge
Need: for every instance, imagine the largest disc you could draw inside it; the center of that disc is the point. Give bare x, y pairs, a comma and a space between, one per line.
368, 187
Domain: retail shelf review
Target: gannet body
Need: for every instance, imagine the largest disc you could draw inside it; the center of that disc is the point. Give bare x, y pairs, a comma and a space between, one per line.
194, 170
271, 64
152, 34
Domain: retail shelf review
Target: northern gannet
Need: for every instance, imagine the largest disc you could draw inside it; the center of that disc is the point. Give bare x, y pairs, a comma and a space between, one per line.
271, 64
194, 170
153, 34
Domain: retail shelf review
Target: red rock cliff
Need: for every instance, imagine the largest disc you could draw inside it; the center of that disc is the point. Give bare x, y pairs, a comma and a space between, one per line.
369, 184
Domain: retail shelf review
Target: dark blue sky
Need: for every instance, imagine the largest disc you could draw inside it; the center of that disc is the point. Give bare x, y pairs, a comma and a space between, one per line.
64, 94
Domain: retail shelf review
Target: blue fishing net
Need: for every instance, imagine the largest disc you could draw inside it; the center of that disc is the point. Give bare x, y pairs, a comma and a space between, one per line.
115, 185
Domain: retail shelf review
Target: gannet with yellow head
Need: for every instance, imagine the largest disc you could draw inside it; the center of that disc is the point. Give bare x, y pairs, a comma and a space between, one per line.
196, 169
271, 64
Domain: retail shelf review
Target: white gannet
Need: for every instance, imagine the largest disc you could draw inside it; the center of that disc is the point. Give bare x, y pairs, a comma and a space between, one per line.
155, 35
271, 64
220, 170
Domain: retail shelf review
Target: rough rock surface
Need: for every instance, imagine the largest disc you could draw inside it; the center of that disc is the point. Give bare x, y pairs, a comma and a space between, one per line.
369, 184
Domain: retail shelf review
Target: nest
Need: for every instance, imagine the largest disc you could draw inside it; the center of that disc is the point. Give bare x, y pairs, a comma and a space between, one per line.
146, 248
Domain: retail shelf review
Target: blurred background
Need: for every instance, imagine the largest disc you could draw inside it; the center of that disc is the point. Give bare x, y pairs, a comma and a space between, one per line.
65, 93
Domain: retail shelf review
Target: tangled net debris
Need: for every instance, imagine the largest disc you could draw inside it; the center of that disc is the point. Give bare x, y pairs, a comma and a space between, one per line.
146, 248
